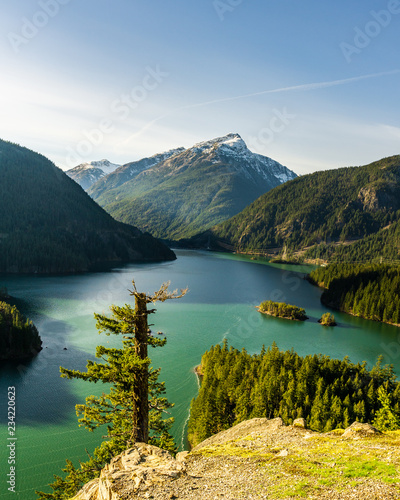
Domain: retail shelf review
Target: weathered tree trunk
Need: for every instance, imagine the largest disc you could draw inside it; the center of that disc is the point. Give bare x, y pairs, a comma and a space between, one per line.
141, 396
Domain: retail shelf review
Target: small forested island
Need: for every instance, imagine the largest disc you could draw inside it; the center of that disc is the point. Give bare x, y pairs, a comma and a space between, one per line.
282, 310
19, 338
371, 291
327, 319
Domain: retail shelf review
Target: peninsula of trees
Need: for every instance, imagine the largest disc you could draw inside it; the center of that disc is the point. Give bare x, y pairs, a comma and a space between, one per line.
327, 393
19, 338
371, 291
282, 310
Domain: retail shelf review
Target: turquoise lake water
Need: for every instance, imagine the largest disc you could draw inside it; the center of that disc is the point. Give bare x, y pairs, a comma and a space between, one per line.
223, 292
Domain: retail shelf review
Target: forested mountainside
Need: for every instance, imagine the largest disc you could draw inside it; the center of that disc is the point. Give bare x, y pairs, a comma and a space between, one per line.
48, 224
384, 245
323, 213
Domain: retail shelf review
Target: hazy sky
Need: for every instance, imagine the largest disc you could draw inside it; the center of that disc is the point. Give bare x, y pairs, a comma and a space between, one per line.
312, 84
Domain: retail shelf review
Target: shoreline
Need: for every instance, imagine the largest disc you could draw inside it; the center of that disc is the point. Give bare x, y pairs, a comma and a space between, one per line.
359, 316
350, 313
198, 371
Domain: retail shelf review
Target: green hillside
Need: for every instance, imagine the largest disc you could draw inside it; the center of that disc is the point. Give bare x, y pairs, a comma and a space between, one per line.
48, 224
327, 211
174, 209
383, 245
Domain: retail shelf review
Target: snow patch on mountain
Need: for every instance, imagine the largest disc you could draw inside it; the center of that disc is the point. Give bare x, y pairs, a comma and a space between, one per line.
104, 165
129, 171
231, 143
231, 148
87, 174
136, 167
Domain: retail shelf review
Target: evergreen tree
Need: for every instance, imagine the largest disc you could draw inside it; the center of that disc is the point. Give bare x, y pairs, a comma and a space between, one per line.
386, 419
133, 409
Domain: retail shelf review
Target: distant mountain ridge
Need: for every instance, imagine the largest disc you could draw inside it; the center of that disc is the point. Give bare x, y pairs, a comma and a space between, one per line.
87, 174
191, 189
48, 224
350, 213
126, 172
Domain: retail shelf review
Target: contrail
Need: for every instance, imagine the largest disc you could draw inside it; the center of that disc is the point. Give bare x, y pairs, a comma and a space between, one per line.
304, 87
307, 86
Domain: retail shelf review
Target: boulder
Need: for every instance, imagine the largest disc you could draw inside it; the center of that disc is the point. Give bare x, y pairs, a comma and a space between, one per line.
358, 430
133, 472
300, 422
246, 428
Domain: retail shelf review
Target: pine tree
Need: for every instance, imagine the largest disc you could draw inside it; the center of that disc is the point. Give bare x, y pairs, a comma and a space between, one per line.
346, 418
127, 406
385, 418
135, 404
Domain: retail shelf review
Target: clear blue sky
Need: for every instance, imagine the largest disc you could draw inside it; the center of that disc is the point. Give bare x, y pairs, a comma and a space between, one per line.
125, 79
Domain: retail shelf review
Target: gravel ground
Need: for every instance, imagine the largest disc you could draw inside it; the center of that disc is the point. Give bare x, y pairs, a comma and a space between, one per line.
263, 459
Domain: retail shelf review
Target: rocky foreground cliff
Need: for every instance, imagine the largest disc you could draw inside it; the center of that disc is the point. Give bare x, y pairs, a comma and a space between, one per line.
259, 459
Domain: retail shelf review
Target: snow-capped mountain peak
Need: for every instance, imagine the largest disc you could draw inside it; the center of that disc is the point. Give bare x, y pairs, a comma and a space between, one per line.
230, 142
105, 165
179, 193
231, 148
87, 174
